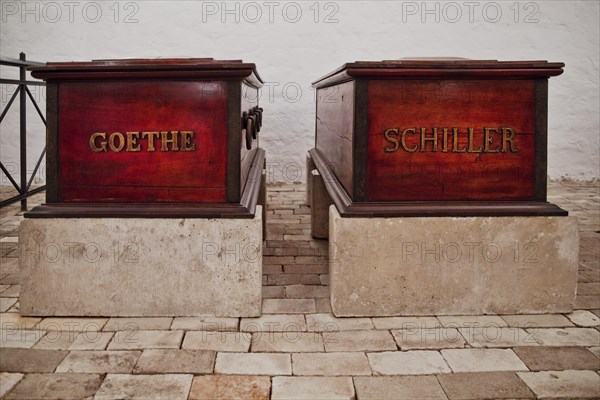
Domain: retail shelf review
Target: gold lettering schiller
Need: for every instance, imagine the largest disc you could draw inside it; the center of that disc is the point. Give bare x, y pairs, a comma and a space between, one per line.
142, 141
495, 140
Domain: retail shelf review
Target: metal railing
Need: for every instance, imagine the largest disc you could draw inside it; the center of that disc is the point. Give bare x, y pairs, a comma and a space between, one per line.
24, 188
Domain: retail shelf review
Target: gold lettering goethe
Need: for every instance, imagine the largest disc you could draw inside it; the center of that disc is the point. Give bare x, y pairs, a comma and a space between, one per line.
101, 142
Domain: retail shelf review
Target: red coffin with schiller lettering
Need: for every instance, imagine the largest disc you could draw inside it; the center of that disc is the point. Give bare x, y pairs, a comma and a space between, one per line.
361, 101
107, 115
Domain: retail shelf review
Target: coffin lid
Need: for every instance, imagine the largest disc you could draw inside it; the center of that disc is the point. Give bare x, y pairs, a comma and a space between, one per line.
149, 68
441, 67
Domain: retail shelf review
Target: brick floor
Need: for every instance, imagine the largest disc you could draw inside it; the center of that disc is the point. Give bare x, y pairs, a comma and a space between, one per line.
298, 349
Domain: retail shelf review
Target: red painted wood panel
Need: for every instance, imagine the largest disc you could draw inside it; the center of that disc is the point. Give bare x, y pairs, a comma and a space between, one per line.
405, 176
139, 106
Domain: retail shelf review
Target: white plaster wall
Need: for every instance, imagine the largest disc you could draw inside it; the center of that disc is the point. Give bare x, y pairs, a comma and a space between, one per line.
291, 54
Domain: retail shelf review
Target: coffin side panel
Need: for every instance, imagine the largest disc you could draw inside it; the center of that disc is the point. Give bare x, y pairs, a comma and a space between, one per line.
335, 130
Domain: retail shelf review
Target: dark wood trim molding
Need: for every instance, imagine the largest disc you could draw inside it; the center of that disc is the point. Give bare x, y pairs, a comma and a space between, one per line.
541, 139
234, 131
252, 188
360, 139
244, 209
452, 68
52, 172
350, 209
173, 68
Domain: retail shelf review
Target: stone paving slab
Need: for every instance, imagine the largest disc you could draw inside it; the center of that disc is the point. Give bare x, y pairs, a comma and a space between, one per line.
408, 363
205, 324
307, 291
484, 385
14, 308
483, 360
467, 321
9, 266
312, 388
160, 361
398, 387
20, 338
228, 387
328, 323
253, 364
99, 362
323, 306
274, 323
273, 292
138, 324
56, 341
8, 381
537, 321
588, 302
10, 321
358, 341
567, 336
331, 364
91, 341
56, 386
30, 360
12, 279
584, 318
6, 303
217, 341
591, 288
498, 337
145, 387
12, 291
136, 340
287, 342
288, 306
429, 338
563, 384
72, 324
557, 358
406, 322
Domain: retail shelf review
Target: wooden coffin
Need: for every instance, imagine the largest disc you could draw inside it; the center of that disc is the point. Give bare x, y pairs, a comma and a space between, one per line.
435, 137
152, 137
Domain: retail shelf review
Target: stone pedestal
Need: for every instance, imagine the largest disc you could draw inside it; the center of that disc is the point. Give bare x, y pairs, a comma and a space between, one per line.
141, 267
319, 210
452, 266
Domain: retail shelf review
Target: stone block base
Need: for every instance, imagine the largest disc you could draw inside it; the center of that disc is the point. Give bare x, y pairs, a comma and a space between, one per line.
452, 266
141, 267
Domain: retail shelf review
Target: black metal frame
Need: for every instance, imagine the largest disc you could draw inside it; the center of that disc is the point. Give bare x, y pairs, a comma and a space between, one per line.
23, 91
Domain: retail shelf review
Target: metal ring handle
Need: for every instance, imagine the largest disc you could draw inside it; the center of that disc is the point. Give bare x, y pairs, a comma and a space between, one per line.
249, 132
260, 112
253, 126
258, 115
